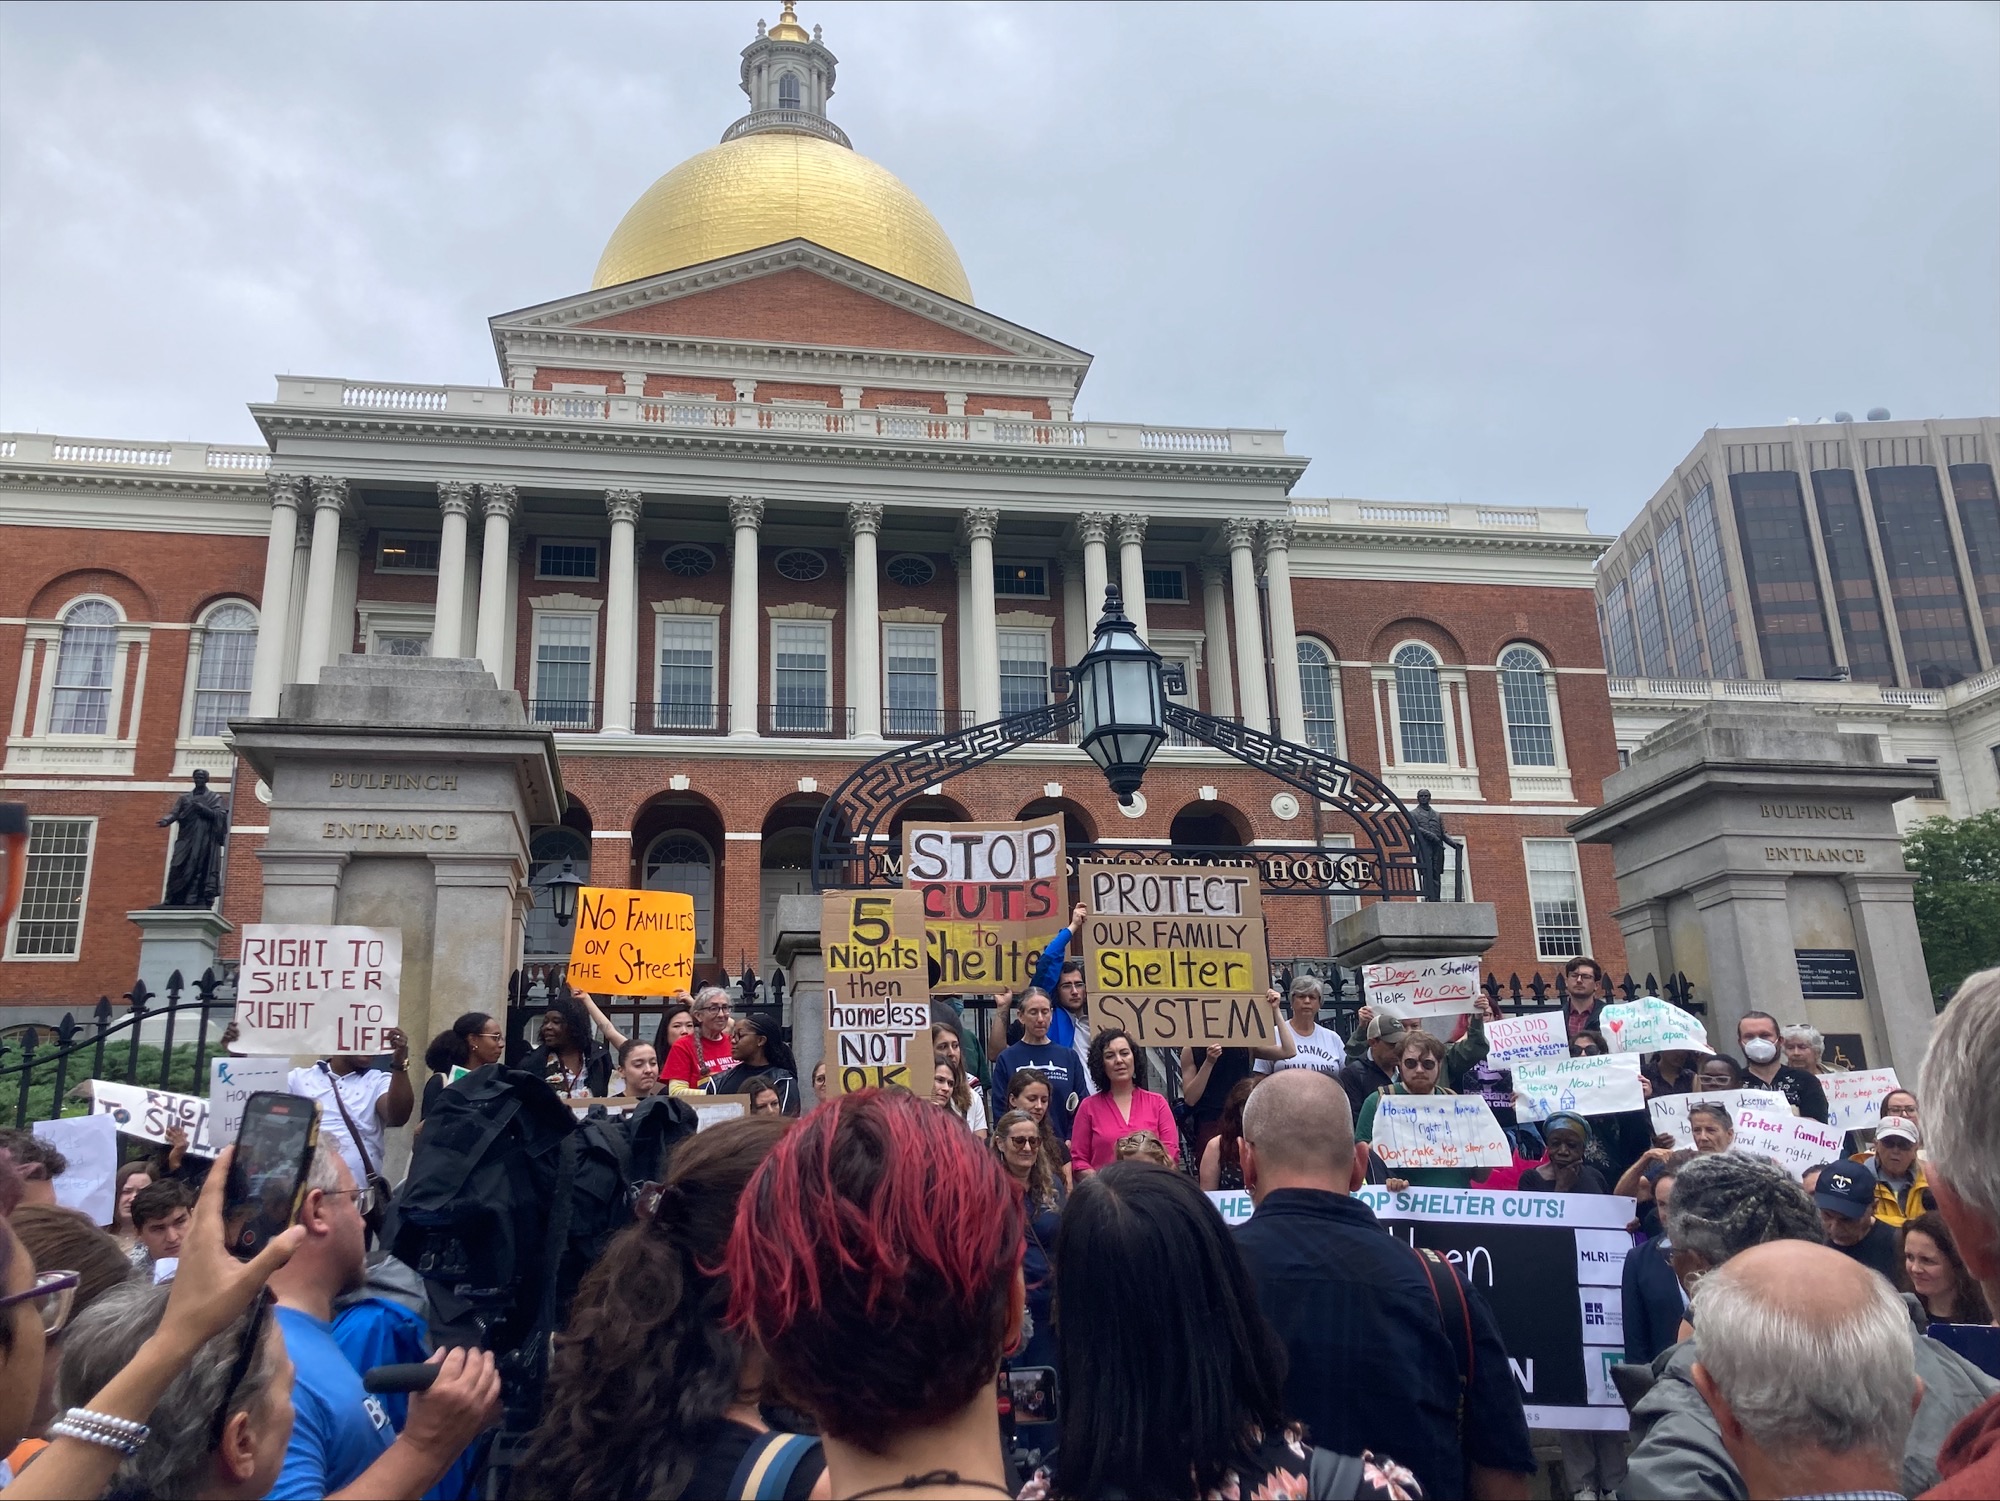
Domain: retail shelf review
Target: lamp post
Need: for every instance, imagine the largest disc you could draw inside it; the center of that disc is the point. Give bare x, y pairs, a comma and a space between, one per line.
1119, 687
562, 888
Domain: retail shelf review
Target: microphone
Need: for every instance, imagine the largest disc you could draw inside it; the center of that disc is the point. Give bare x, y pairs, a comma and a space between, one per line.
413, 1377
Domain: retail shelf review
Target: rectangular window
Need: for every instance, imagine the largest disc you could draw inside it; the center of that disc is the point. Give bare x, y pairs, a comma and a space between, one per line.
222, 685
686, 691
1024, 670
1021, 580
800, 685
564, 681
1555, 893
910, 680
1618, 632
1784, 584
1653, 657
1711, 579
566, 560
1847, 561
1930, 606
1679, 598
50, 925
397, 552
1167, 585
1979, 515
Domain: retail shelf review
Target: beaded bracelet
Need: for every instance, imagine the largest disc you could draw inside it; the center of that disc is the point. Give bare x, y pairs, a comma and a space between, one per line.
102, 1429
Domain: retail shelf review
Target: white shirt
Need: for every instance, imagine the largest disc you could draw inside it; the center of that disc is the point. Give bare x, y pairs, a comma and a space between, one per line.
360, 1093
975, 1116
1319, 1050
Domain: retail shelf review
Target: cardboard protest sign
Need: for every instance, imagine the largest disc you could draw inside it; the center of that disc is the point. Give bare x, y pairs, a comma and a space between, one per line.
1603, 1085
1521, 1039
1438, 1130
878, 1010
231, 1081
1651, 1025
90, 1143
1854, 1100
1419, 989
1670, 1111
1175, 954
632, 942
314, 988
1549, 1267
993, 894
1796, 1143
714, 1109
147, 1113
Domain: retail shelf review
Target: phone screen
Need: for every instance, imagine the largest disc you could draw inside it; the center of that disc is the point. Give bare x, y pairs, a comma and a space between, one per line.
267, 1177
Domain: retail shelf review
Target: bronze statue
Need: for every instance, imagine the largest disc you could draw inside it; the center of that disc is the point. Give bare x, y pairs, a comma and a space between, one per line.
1428, 837
194, 875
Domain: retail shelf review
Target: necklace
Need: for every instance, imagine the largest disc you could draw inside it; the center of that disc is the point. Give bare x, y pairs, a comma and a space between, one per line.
930, 1477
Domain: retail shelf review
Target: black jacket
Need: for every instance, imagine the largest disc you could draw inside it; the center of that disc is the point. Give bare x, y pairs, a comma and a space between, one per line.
1652, 1302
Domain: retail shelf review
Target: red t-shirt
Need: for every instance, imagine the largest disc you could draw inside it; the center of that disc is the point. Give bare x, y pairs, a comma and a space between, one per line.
694, 1060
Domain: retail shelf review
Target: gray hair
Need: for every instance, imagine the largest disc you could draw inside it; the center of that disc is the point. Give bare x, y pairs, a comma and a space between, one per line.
1807, 1034
1719, 1111
1961, 1114
1840, 1378
323, 1172
107, 1335
711, 992
1726, 1202
1308, 985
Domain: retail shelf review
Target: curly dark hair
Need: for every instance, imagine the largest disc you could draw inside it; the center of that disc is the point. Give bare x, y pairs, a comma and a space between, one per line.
1095, 1062
449, 1049
1726, 1202
575, 1022
646, 1351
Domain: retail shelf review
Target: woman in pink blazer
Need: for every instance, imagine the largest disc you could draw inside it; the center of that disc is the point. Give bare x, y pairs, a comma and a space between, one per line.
1121, 1105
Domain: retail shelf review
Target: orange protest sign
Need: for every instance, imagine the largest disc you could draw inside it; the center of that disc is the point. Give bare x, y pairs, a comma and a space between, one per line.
632, 942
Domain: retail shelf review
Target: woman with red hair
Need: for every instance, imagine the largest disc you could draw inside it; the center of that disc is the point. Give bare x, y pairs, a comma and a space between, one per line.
876, 1260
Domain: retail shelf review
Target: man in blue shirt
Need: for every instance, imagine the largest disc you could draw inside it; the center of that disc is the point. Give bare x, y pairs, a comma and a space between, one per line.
1371, 1363
341, 1436
1034, 1050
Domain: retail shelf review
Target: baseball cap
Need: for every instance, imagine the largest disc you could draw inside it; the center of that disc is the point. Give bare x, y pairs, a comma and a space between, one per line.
1846, 1188
1900, 1126
1385, 1028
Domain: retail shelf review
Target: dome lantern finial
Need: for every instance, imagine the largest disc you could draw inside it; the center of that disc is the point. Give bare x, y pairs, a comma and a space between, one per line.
788, 28
788, 74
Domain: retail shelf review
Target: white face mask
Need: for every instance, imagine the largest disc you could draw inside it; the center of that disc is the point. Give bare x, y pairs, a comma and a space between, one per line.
1760, 1050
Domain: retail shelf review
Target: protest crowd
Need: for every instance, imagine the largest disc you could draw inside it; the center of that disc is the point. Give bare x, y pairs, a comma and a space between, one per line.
1055, 1261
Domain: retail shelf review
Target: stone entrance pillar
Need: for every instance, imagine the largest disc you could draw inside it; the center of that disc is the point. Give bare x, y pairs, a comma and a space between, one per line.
403, 794
1757, 852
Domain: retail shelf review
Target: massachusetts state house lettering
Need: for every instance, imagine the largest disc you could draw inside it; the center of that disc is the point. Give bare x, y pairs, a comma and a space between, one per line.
1798, 854
427, 833
396, 781
1811, 811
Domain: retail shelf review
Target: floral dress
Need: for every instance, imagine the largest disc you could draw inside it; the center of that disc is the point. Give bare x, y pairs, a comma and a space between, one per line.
1280, 1471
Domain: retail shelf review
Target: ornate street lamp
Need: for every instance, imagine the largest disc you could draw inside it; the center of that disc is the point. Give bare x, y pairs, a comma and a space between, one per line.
1119, 687
562, 888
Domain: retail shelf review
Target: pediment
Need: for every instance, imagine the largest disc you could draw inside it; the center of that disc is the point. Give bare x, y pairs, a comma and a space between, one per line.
797, 294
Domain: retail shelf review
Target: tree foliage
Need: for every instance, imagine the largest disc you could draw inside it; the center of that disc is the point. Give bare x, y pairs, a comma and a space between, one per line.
1957, 865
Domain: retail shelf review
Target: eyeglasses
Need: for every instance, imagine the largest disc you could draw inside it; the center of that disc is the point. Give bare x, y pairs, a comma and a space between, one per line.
246, 1352
56, 1293
364, 1197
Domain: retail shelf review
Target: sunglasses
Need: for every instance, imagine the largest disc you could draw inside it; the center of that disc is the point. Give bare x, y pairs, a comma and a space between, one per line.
1420, 1063
55, 1292
246, 1353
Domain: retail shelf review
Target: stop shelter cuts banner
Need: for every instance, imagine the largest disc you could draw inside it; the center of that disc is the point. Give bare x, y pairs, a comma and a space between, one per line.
1175, 954
993, 896
318, 988
878, 1010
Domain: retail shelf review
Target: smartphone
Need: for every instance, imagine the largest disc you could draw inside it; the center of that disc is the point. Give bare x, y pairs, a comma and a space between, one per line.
267, 1176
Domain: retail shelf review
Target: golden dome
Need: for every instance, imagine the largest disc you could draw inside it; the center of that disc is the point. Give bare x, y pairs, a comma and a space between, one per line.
773, 186
788, 28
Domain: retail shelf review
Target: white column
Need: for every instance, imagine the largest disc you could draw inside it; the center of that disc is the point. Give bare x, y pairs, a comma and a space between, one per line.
346, 588
1241, 535
316, 619
746, 516
1215, 622
1132, 568
1093, 528
980, 525
295, 622
468, 618
448, 622
1076, 622
1284, 631
274, 609
864, 623
621, 613
501, 505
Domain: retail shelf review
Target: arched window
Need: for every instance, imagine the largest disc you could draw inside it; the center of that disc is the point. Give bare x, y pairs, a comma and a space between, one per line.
89, 645
1524, 700
1316, 690
228, 652
788, 91
545, 856
1419, 706
681, 861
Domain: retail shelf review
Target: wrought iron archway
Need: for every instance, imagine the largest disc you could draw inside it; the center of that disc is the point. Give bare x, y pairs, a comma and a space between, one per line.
852, 844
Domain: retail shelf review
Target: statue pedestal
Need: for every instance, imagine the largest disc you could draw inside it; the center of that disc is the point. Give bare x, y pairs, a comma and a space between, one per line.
1384, 931
177, 938
797, 949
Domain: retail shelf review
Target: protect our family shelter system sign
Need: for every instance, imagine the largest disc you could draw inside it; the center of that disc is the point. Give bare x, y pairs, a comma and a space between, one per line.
1175, 954
1549, 1267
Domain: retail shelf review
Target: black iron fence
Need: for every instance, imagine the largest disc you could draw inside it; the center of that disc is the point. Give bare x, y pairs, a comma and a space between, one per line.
531, 987
155, 1040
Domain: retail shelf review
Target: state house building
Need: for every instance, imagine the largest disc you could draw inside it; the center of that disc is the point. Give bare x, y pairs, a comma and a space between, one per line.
773, 494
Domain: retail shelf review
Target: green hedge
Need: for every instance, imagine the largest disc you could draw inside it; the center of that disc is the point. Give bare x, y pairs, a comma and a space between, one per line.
117, 1053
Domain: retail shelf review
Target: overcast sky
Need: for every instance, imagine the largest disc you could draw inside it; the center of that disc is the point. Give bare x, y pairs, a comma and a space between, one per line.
1493, 253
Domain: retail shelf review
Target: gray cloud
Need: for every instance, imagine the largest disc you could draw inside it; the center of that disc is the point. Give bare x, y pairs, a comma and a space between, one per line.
1488, 252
